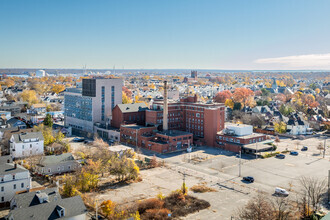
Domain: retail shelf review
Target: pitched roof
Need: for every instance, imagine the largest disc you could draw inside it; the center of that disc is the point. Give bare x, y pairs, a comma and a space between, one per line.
56, 159
28, 199
41, 105
134, 107
31, 135
73, 206
9, 168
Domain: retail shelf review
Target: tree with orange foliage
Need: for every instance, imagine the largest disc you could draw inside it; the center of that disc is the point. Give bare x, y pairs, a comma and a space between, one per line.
127, 91
242, 95
221, 97
9, 82
281, 97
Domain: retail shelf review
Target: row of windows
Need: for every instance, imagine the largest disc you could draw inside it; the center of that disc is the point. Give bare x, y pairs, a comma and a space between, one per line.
75, 126
102, 100
14, 187
197, 121
195, 127
3, 179
78, 107
137, 117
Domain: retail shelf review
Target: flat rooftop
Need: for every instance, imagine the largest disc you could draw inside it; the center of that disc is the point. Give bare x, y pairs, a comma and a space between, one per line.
253, 135
237, 125
134, 126
174, 133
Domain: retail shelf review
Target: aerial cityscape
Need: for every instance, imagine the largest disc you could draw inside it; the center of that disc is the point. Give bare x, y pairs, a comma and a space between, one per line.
177, 109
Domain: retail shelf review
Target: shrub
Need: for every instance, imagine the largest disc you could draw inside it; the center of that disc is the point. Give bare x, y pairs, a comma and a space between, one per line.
156, 214
202, 188
152, 203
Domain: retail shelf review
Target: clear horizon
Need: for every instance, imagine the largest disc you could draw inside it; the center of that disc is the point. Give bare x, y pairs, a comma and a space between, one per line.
186, 34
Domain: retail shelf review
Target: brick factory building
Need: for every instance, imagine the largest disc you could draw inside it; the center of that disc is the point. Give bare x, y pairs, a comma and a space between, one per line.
151, 139
203, 120
128, 114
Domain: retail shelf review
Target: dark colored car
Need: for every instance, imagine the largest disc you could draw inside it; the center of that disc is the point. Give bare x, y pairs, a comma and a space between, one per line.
295, 153
304, 148
248, 179
78, 139
280, 156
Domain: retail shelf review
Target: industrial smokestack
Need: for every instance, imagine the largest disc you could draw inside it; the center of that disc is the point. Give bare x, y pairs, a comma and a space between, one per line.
165, 110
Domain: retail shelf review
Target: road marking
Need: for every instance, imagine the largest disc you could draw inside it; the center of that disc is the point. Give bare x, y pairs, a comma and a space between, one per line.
289, 164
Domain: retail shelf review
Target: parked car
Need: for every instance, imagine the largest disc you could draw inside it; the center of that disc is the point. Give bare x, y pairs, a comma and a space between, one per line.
248, 179
88, 141
280, 156
304, 148
281, 192
76, 139
295, 153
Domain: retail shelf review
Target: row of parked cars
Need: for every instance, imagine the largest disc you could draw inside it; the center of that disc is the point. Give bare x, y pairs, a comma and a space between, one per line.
294, 153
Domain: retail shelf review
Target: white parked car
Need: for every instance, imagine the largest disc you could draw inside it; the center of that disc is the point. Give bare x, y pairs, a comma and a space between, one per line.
281, 192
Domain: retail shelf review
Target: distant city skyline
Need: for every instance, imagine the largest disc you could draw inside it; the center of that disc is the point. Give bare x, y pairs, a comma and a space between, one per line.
172, 34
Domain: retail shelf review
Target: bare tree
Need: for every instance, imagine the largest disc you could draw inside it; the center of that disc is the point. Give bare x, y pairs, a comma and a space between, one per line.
320, 147
258, 208
282, 209
314, 188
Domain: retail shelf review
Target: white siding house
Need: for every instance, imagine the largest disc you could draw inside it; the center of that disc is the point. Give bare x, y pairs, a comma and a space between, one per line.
13, 178
26, 144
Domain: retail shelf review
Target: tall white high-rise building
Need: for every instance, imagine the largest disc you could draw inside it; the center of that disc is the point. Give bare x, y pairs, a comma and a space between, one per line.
92, 104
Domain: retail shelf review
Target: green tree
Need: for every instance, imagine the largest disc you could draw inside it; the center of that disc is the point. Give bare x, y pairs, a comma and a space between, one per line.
48, 121
280, 127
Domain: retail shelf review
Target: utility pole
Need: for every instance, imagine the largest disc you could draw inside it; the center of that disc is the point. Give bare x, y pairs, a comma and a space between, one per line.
239, 166
256, 150
329, 187
325, 144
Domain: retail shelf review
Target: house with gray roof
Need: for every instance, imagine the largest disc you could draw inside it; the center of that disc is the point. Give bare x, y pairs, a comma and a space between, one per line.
26, 144
46, 204
13, 178
57, 164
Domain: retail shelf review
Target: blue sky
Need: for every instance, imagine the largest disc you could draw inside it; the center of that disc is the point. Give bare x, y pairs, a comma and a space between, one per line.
198, 34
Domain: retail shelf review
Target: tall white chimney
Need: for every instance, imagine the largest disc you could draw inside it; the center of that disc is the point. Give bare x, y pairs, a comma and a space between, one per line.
165, 110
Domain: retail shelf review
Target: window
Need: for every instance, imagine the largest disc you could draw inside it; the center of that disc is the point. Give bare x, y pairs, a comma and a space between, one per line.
58, 168
2, 179
2, 199
69, 167
13, 176
2, 188
197, 115
14, 186
49, 170
22, 147
22, 185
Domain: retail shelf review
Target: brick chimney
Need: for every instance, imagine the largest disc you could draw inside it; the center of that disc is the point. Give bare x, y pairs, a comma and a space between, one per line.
165, 109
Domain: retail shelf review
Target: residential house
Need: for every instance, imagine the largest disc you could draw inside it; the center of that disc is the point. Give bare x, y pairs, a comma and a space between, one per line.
46, 204
26, 144
297, 125
57, 164
16, 123
37, 109
13, 178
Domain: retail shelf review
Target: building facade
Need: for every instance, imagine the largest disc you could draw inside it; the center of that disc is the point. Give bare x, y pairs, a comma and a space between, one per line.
240, 137
203, 120
128, 113
93, 103
26, 144
13, 178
